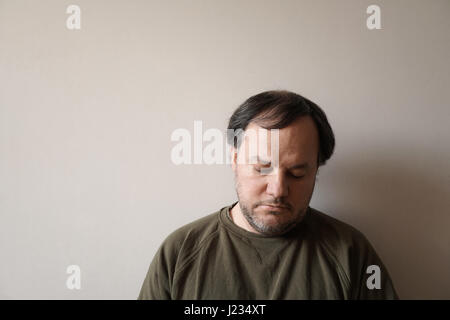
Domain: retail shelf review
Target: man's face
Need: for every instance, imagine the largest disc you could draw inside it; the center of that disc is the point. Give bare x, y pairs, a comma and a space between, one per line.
288, 183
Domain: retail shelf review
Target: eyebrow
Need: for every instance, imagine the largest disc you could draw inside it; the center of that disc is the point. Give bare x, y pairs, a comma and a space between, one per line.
300, 166
303, 165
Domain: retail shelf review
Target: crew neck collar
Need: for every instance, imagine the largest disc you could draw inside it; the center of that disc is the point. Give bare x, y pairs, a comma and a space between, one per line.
226, 220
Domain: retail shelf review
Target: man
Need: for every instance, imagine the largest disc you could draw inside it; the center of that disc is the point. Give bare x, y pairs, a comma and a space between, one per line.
270, 244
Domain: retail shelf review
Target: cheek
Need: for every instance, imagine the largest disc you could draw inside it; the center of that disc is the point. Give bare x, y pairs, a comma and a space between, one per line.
256, 186
302, 190
252, 187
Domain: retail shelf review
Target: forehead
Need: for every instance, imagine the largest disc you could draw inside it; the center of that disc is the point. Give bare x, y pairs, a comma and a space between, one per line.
297, 142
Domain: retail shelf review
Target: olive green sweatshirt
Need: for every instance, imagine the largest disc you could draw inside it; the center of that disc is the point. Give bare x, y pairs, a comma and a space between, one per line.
320, 258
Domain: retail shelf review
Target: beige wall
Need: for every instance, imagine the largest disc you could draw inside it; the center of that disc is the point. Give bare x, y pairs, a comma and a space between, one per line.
86, 117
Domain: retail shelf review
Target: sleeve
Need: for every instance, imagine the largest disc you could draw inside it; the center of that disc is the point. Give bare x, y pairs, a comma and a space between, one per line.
157, 282
370, 277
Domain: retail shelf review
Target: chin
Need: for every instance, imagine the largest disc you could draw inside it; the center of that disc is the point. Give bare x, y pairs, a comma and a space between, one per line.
274, 221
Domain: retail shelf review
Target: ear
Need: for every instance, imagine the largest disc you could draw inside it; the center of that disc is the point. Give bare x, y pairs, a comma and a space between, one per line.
317, 175
233, 152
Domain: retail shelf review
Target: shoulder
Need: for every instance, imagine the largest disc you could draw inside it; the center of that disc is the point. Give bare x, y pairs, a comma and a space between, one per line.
342, 242
187, 239
333, 232
178, 246
353, 255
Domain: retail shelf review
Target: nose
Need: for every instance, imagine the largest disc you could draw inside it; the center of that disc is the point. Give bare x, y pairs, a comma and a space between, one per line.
277, 185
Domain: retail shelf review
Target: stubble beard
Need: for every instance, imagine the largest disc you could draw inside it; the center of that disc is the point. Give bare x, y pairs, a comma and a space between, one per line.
260, 226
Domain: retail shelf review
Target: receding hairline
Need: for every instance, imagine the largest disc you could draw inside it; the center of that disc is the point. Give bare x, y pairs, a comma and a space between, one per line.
277, 109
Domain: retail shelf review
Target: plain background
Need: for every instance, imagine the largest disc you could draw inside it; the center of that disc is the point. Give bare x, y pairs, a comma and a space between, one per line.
86, 118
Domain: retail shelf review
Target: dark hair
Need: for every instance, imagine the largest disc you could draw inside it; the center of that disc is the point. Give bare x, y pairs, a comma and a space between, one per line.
276, 110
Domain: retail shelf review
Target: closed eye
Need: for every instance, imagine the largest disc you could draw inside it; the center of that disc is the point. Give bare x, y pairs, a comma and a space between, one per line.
257, 169
297, 176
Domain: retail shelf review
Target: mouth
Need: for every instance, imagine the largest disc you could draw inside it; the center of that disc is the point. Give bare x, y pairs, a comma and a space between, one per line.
272, 208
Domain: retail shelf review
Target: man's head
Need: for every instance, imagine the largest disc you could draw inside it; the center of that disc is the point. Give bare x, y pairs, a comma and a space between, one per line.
306, 141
